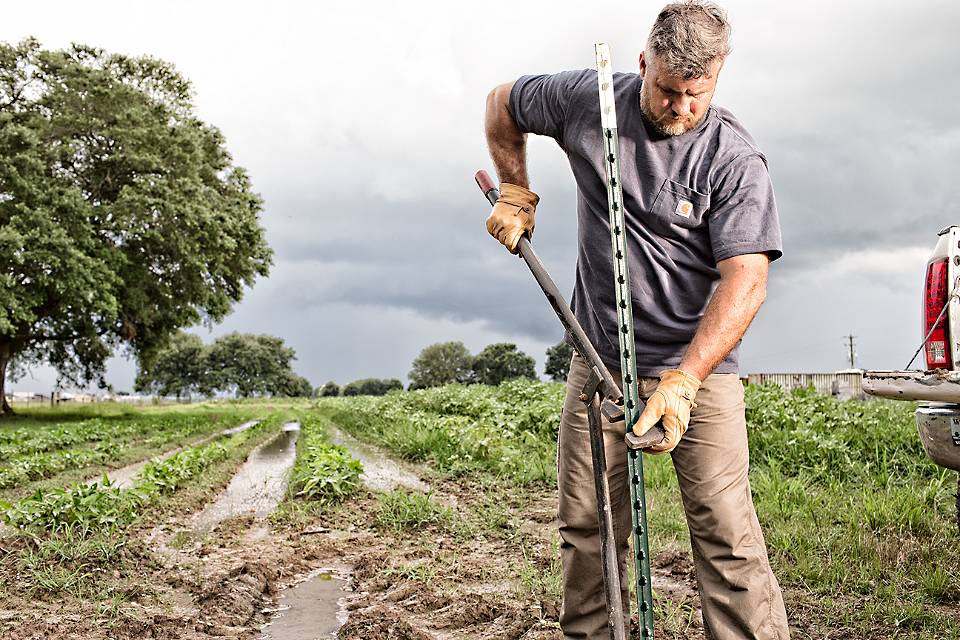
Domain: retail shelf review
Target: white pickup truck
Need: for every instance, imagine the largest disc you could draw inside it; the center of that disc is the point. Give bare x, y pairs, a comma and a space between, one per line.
937, 386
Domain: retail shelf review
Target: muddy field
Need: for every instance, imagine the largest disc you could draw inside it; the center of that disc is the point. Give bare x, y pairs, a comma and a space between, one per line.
460, 561
258, 533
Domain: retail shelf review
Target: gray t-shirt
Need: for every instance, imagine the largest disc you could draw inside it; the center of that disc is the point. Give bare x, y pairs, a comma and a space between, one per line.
690, 201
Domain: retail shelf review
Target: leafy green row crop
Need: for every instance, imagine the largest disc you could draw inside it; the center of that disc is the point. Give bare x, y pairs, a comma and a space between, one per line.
47, 463
509, 430
166, 476
99, 507
42, 451
831, 440
323, 472
27, 440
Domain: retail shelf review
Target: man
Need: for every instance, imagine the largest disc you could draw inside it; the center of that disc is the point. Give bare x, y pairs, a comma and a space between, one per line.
702, 227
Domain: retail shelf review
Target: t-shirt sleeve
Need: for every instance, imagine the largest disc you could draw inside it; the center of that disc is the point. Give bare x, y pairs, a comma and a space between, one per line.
539, 104
743, 211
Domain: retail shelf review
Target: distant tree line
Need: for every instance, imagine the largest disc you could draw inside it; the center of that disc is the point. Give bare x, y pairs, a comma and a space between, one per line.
451, 362
240, 364
448, 362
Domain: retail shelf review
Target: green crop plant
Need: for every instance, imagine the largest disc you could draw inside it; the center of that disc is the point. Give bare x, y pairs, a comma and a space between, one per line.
81, 509
508, 430
322, 472
168, 475
84, 509
46, 448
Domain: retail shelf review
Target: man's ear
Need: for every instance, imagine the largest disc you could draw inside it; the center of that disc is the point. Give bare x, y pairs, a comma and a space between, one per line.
643, 65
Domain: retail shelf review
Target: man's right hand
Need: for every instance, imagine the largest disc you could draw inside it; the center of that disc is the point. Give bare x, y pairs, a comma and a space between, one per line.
513, 215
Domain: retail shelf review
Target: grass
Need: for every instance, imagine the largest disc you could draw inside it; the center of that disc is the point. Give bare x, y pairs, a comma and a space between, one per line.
537, 582
400, 510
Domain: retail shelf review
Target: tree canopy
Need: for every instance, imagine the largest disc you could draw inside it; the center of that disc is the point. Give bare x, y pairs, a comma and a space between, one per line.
238, 363
329, 390
179, 370
502, 361
441, 363
122, 215
558, 361
372, 387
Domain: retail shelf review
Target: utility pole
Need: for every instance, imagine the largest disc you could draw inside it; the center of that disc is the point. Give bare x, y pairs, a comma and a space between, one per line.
852, 352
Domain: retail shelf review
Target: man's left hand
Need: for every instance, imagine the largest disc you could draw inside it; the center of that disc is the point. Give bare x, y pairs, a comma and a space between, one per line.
671, 402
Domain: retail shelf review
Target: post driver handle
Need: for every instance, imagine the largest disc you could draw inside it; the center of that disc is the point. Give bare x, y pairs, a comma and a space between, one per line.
581, 343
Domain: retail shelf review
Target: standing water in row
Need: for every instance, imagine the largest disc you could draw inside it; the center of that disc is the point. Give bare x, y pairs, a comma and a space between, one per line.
260, 484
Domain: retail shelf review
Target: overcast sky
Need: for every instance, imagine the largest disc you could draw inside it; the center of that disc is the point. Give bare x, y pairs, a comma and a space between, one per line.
361, 126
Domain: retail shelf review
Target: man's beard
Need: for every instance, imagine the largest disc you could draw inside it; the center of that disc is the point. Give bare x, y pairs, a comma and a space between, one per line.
666, 125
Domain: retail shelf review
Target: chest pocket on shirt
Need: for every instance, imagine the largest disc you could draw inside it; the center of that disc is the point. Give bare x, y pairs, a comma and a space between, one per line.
680, 205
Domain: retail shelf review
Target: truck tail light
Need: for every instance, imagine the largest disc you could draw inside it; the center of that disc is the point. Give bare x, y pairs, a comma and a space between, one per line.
935, 294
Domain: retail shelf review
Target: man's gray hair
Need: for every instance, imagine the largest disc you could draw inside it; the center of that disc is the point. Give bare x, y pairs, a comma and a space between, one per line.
688, 36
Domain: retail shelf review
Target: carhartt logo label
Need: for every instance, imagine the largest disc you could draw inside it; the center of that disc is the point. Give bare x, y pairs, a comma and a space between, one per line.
684, 208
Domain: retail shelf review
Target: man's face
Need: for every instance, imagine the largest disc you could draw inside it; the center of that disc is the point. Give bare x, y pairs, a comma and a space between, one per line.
674, 105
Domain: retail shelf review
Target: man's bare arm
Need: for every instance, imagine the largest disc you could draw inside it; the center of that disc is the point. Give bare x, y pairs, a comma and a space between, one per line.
508, 145
734, 303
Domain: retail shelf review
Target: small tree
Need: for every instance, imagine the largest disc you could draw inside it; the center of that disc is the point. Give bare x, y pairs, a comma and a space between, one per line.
252, 365
440, 364
328, 390
502, 361
179, 369
558, 361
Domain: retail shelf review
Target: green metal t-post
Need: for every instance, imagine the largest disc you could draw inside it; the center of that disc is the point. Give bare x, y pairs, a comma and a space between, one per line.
628, 360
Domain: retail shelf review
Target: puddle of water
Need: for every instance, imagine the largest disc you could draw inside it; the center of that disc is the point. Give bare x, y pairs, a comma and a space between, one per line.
380, 473
259, 485
311, 610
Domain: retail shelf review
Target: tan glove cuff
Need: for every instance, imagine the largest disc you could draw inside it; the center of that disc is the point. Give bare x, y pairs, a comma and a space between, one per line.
686, 384
517, 195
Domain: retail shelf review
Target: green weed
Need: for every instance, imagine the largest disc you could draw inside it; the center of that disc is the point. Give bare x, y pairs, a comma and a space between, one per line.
400, 510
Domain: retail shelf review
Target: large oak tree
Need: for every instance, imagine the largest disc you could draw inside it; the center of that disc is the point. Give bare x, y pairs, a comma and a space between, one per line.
122, 215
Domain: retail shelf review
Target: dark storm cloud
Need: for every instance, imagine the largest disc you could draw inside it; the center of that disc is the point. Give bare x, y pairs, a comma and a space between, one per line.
377, 226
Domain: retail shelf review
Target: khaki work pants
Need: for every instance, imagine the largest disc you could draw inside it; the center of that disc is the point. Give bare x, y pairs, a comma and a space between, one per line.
739, 595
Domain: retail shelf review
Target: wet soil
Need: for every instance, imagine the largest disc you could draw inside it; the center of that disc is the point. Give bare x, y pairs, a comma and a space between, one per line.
487, 572
312, 609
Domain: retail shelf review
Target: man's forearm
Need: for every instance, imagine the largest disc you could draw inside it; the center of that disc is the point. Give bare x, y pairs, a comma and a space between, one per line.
507, 144
732, 307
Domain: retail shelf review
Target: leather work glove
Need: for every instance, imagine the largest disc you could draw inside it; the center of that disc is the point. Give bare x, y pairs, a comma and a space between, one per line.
672, 401
512, 215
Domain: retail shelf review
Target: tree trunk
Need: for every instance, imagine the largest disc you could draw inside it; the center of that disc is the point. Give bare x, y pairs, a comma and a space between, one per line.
5, 408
